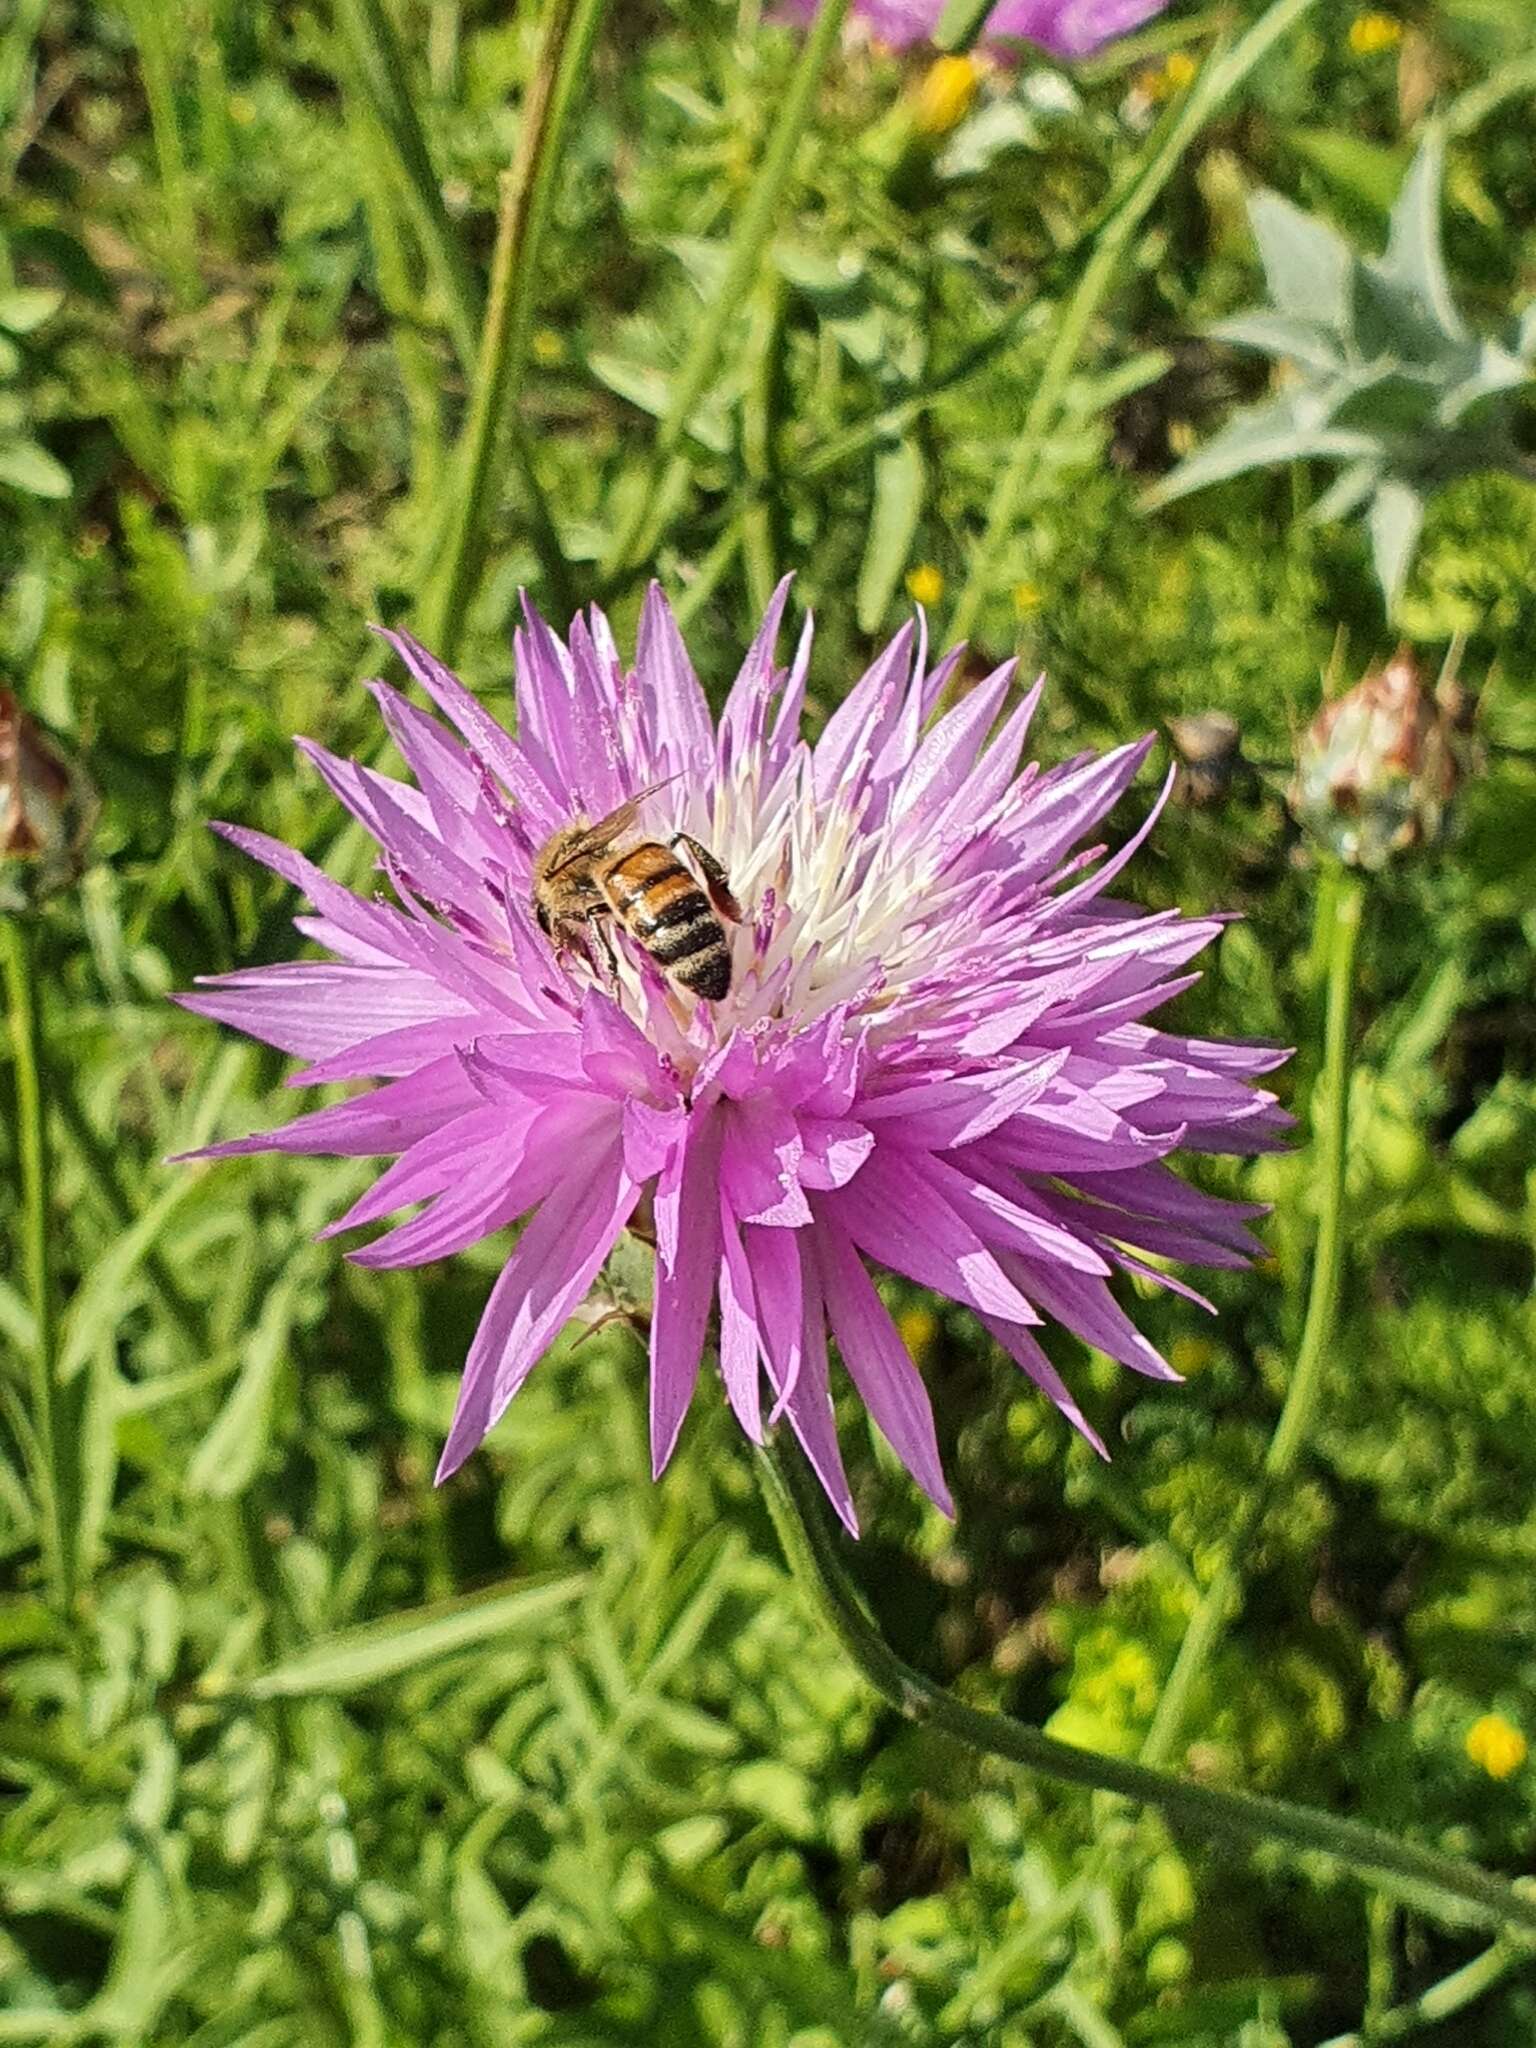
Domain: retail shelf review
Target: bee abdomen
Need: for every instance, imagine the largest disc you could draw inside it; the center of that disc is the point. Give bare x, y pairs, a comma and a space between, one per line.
667, 912
688, 942
706, 972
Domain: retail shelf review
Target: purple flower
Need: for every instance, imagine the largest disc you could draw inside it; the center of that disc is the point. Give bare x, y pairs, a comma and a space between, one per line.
933, 1055
1067, 28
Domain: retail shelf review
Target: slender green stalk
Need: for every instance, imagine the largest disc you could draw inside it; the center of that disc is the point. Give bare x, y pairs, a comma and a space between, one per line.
55, 1491
1219, 79
382, 74
667, 467
1295, 1423
420, 373
526, 191
758, 439
1442, 2001
1460, 1890
1341, 900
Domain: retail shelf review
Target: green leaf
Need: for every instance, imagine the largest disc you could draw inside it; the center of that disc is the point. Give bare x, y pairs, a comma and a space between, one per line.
1306, 265
227, 1459
26, 467
1280, 335
900, 484
1255, 439
355, 1658
1396, 517
97, 1309
1368, 174
1415, 260
1348, 492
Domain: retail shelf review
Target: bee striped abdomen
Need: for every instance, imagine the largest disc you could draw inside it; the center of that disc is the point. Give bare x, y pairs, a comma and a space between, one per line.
664, 910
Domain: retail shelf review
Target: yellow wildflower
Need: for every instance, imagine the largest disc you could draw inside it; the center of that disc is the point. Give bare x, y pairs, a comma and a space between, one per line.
1370, 34
546, 345
1173, 75
1496, 1746
925, 583
1027, 598
943, 94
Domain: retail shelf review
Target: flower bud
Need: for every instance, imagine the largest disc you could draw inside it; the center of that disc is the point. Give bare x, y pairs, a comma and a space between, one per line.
1377, 767
47, 809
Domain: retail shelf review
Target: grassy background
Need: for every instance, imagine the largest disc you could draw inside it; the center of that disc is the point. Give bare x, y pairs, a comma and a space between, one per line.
636, 1797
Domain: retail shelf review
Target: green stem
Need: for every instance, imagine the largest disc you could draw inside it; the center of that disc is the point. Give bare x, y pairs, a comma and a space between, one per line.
54, 1490
636, 538
1442, 2001
400, 293
1460, 1890
526, 192
1296, 1416
758, 443
1341, 901
381, 71
1219, 79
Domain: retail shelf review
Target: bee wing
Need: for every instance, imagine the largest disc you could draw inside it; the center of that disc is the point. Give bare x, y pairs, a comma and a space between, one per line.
605, 830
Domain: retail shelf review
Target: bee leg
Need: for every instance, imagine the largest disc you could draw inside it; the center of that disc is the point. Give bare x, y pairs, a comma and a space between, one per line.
713, 876
596, 920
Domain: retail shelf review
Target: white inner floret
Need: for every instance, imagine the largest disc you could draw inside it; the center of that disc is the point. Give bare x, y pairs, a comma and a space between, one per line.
832, 910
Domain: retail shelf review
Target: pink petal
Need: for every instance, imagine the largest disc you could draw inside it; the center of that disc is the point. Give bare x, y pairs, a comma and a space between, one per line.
739, 1350
686, 1269
795, 1336
879, 1364
895, 1216
552, 1265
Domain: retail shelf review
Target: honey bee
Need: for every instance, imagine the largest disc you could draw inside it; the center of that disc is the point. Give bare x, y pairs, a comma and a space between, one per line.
582, 876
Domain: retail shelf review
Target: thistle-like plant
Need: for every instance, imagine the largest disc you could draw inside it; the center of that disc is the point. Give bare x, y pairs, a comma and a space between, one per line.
1382, 374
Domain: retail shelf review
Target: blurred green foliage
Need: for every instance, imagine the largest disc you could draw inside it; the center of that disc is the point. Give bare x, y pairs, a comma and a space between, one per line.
273, 1782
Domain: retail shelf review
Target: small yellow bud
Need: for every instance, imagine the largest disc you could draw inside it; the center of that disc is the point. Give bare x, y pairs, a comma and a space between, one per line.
546, 345
1496, 1746
1181, 437
919, 1328
1189, 1355
1370, 34
925, 583
1027, 598
944, 94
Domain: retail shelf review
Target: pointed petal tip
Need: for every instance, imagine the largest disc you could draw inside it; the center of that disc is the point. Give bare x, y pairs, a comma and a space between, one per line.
452, 1458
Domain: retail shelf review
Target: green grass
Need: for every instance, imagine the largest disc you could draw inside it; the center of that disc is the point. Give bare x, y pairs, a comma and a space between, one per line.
318, 1755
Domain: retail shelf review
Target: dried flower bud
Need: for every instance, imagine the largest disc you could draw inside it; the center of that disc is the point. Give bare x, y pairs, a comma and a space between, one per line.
1377, 768
47, 809
1209, 745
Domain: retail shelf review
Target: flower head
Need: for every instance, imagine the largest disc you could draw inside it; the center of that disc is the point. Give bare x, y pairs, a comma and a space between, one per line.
932, 1054
1065, 28
1377, 768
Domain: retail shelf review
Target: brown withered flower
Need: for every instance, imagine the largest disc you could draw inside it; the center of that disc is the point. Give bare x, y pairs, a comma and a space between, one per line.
47, 809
